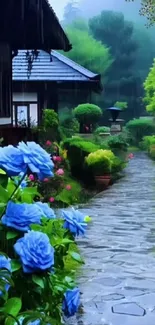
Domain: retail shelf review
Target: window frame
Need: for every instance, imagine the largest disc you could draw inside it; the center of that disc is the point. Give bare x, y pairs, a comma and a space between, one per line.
23, 103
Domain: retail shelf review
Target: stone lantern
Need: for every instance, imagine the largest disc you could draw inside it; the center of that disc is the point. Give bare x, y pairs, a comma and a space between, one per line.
116, 124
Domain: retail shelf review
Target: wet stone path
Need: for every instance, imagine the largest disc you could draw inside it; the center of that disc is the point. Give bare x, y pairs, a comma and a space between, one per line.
118, 279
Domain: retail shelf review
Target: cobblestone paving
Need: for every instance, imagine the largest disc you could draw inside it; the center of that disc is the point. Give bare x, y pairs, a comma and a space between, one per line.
118, 278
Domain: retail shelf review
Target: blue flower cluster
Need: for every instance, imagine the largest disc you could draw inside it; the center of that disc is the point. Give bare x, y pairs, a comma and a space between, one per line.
21, 216
71, 302
33, 249
35, 252
27, 155
74, 222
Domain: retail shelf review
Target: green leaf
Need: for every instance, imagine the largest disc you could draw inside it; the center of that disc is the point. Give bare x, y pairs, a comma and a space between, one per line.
2, 172
13, 306
68, 279
76, 257
28, 194
4, 197
2, 205
11, 235
38, 280
3, 180
15, 265
11, 187
67, 241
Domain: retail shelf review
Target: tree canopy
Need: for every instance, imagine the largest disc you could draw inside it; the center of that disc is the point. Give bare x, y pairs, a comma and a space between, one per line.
149, 87
147, 10
116, 33
87, 51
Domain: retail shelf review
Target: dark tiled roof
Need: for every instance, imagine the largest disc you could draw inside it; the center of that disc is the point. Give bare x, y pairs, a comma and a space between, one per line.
60, 68
27, 24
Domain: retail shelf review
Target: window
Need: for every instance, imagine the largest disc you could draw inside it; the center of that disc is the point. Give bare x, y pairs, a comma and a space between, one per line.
25, 114
25, 109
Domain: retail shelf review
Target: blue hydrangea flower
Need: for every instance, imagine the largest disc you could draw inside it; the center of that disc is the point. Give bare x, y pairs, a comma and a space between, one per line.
74, 221
35, 252
71, 302
46, 210
21, 216
5, 263
37, 159
11, 160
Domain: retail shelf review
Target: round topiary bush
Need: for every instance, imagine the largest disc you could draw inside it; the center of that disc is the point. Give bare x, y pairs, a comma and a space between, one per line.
102, 129
88, 113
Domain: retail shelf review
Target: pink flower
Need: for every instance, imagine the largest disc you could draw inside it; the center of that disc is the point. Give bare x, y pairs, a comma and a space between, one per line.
60, 172
57, 158
51, 199
46, 180
131, 156
68, 187
31, 177
48, 143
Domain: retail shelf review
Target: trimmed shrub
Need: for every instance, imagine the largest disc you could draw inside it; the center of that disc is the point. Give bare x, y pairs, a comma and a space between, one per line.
117, 142
139, 128
88, 113
147, 142
152, 151
99, 163
77, 150
50, 119
102, 129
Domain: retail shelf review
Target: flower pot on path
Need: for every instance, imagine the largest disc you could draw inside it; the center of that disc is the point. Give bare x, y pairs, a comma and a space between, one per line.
103, 180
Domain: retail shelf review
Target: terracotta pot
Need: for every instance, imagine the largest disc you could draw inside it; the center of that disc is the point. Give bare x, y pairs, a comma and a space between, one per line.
103, 180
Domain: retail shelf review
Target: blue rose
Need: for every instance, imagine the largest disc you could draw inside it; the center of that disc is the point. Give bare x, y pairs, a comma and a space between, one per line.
46, 210
21, 216
75, 222
35, 252
11, 160
37, 159
5, 263
71, 302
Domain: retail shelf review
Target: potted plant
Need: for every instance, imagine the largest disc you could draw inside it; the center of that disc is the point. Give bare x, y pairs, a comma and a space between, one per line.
87, 115
100, 162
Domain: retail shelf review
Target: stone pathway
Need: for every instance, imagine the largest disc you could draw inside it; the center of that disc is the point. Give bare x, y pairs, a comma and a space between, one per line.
118, 279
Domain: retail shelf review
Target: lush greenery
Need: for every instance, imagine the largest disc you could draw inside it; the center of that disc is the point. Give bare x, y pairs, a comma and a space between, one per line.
88, 113
147, 10
149, 87
139, 128
121, 105
148, 144
69, 125
100, 161
92, 54
79, 149
102, 129
39, 255
129, 52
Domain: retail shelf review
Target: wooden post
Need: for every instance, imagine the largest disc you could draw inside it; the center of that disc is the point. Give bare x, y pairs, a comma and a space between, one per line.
5, 83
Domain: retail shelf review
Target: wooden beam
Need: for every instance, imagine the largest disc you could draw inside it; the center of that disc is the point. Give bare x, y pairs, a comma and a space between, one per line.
5, 80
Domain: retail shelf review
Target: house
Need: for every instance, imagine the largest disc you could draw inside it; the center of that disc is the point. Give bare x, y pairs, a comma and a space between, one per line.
51, 81
25, 24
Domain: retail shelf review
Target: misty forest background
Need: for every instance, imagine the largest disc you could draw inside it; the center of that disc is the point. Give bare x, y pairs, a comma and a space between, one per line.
111, 38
